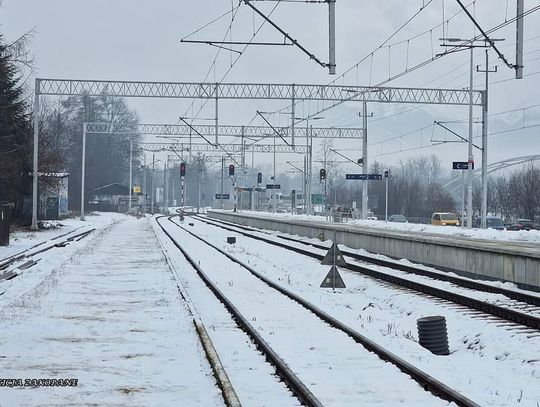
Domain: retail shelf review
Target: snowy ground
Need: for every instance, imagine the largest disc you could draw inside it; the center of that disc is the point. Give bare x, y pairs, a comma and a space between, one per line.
27, 280
532, 236
497, 299
337, 370
23, 240
111, 317
491, 364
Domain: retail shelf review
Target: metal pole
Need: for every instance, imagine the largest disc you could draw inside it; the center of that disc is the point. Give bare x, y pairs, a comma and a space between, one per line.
217, 115
233, 179
222, 172
273, 193
485, 145
184, 184
365, 161
306, 171
293, 90
165, 191
153, 182
471, 157
173, 190
243, 165
519, 39
144, 182
386, 200
462, 198
198, 182
332, 36
203, 184
83, 165
310, 170
182, 196
304, 186
130, 173
35, 158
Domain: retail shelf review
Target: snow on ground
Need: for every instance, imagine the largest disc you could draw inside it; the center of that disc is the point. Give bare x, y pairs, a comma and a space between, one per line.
112, 318
337, 370
497, 299
27, 280
24, 239
490, 364
272, 234
532, 236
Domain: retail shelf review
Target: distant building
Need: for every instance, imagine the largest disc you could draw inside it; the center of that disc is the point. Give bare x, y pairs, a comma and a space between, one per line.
111, 198
53, 198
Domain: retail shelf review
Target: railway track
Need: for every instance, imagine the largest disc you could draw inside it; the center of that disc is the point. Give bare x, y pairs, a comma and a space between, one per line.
11, 266
298, 388
527, 302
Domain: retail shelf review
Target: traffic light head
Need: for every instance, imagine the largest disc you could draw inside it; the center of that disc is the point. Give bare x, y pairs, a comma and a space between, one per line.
231, 170
182, 169
322, 174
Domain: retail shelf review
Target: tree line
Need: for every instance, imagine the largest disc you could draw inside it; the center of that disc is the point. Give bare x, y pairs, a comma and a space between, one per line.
60, 141
514, 195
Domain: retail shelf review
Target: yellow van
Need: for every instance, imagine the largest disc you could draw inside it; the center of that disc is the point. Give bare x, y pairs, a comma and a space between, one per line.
444, 219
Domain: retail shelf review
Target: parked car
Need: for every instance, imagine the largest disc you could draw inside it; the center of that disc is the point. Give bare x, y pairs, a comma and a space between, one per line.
522, 224
492, 222
398, 219
371, 216
444, 219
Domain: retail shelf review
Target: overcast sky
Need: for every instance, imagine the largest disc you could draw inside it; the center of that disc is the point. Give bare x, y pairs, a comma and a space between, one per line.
140, 40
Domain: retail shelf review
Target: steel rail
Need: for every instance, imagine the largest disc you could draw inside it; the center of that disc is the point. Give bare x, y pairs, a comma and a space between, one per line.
495, 310
427, 382
297, 387
462, 282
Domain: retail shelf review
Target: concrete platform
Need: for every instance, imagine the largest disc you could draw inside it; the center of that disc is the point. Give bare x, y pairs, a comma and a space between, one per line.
516, 262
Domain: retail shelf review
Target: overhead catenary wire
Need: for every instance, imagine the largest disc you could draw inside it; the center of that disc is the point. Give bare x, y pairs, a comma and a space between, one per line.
236, 60
425, 62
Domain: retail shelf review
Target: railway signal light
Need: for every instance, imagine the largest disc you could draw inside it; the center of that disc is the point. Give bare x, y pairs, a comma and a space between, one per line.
182, 169
231, 170
259, 178
322, 174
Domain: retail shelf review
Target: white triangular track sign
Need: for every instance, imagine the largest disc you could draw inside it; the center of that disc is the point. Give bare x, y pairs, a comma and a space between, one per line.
329, 258
333, 279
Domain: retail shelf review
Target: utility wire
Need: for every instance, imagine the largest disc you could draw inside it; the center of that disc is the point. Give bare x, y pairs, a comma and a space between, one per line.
420, 65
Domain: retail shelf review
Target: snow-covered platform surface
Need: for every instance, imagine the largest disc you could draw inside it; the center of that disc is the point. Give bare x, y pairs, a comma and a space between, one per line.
107, 312
522, 238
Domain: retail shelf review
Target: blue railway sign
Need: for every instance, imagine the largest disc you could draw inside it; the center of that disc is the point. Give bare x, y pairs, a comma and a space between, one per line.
364, 177
461, 165
222, 196
273, 186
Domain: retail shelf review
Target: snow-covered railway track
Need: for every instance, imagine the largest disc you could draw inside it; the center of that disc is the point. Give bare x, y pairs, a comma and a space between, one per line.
506, 310
298, 388
312, 330
11, 267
